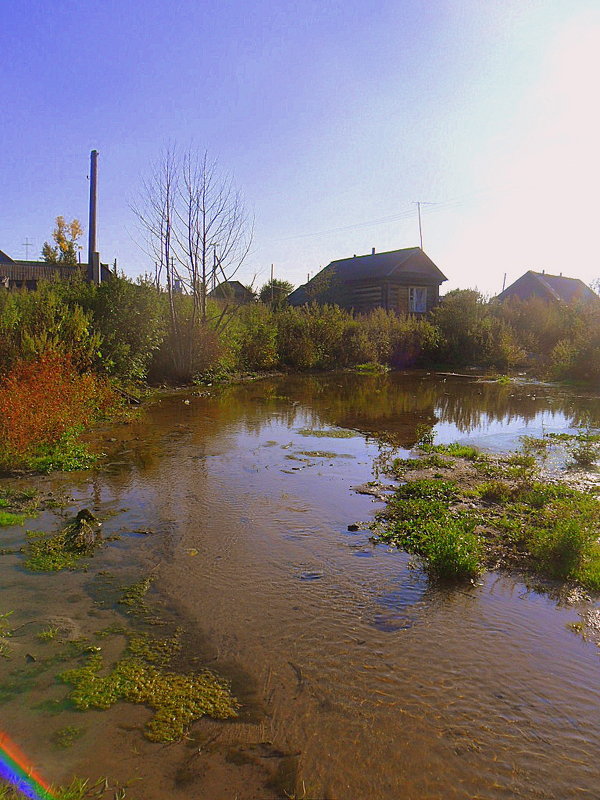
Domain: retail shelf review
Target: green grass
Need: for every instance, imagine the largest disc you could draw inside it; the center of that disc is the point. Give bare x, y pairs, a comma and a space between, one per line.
371, 367
8, 518
432, 461
66, 455
78, 789
466, 451
48, 634
512, 518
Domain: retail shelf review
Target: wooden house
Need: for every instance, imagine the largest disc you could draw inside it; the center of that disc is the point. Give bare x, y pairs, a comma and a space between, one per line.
552, 288
405, 281
17, 274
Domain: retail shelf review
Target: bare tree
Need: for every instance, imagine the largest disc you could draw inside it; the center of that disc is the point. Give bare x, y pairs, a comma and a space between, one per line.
199, 234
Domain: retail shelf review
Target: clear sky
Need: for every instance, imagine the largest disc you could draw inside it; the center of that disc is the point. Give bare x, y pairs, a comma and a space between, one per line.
333, 116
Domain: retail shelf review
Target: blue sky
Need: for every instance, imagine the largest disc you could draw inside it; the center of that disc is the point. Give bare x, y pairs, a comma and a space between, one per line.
332, 116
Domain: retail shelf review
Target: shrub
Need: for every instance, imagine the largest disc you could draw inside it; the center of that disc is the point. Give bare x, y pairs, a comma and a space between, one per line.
257, 339
42, 400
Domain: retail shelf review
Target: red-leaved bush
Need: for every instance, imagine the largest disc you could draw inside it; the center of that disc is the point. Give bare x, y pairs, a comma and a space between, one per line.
42, 399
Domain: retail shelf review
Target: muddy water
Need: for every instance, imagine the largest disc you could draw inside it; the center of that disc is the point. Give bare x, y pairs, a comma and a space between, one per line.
358, 679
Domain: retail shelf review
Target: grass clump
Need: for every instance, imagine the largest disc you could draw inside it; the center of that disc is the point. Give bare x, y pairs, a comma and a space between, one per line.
48, 634
8, 518
65, 549
427, 489
426, 443
422, 523
140, 676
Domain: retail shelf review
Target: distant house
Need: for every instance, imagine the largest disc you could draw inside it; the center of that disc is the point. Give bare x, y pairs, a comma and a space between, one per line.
233, 291
553, 288
16, 274
405, 281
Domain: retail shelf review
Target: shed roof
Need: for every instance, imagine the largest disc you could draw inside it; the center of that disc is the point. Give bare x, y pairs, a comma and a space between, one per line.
555, 287
385, 265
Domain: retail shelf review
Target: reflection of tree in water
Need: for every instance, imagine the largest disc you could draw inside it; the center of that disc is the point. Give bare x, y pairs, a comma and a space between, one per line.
396, 403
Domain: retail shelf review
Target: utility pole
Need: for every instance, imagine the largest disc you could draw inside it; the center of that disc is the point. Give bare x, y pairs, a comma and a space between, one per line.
93, 206
271, 284
27, 244
418, 204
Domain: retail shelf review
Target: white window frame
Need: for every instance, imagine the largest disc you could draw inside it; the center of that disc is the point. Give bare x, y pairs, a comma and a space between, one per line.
416, 304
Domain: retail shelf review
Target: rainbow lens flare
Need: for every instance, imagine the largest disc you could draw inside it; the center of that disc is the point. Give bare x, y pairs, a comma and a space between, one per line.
15, 769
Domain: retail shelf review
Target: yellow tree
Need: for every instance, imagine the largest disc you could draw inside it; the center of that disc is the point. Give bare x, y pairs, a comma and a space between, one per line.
65, 235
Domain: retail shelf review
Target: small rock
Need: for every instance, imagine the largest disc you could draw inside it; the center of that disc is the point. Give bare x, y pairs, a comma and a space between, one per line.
353, 527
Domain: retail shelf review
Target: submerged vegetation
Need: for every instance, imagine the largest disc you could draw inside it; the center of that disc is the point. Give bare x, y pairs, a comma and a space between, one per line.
141, 676
496, 511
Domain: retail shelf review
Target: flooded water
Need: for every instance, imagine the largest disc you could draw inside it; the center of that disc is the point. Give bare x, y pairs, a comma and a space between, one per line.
358, 679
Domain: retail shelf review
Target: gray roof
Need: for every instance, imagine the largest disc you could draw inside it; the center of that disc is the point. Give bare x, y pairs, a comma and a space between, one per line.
381, 265
4, 258
409, 262
556, 287
231, 289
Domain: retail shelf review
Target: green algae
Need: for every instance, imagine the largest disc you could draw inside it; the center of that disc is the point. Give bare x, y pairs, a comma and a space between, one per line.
141, 677
134, 594
333, 433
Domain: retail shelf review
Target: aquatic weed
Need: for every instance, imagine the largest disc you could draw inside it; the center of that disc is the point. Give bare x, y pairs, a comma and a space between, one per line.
67, 736
134, 594
332, 433
140, 677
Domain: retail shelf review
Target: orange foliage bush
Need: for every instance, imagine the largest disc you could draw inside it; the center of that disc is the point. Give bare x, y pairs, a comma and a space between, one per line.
42, 399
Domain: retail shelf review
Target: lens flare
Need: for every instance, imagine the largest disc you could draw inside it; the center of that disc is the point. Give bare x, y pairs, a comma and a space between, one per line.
15, 769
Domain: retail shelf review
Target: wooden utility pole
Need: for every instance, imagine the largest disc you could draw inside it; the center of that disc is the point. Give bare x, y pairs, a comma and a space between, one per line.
420, 226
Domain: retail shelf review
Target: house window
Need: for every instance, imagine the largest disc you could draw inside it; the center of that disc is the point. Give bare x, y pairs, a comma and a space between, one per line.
417, 299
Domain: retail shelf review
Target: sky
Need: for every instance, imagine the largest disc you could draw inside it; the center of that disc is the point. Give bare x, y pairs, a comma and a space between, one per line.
333, 117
